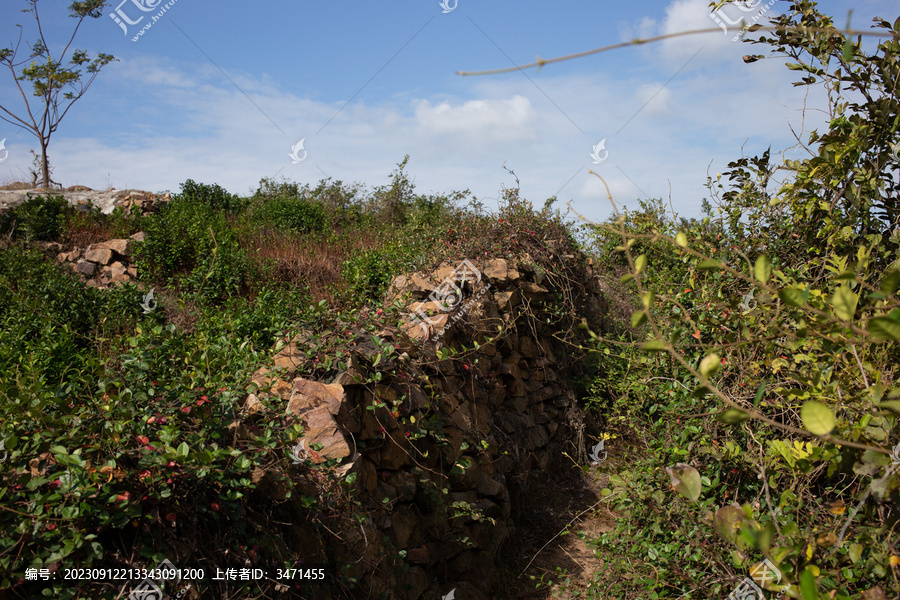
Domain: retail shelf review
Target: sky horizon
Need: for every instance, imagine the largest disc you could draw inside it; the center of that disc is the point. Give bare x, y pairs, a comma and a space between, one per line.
225, 96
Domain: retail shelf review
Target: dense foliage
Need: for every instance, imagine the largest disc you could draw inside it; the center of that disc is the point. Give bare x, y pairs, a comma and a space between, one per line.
762, 365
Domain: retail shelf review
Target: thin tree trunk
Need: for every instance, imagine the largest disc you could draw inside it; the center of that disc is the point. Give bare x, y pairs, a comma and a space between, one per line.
45, 166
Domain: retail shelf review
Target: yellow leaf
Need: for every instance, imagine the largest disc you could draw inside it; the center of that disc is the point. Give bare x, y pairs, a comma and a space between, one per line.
809, 551
894, 560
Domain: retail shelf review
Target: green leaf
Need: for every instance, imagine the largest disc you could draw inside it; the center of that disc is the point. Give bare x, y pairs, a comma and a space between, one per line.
655, 346
686, 481
709, 263
848, 56
681, 239
883, 328
808, 585
793, 296
844, 303
763, 269
734, 416
626, 278
701, 391
817, 418
710, 364
759, 392
638, 318
640, 263
855, 552
893, 405
890, 282
648, 299
182, 450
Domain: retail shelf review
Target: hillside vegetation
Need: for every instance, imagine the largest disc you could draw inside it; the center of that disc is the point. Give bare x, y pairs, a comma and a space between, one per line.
746, 385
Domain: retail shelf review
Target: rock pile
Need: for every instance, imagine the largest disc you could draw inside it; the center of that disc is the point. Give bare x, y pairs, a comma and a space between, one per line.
104, 264
438, 498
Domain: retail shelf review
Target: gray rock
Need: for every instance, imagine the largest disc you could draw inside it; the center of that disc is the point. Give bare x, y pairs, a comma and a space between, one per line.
86, 268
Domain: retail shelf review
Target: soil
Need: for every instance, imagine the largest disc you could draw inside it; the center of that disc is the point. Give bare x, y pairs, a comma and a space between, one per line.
542, 561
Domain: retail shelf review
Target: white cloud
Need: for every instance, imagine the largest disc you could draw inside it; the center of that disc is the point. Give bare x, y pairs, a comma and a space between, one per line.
690, 15
487, 121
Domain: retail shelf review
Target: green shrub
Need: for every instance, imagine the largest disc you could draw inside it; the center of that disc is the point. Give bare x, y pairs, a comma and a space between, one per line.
773, 331
49, 319
195, 245
297, 214
38, 218
368, 272
211, 195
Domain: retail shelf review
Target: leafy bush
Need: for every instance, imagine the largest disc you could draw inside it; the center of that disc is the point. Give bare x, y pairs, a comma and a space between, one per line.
48, 318
297, 214
779, 315
38, 218
193, 244
369, 272
211, 195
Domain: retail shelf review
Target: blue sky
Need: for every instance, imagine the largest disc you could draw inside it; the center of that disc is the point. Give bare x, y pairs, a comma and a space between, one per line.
221, 92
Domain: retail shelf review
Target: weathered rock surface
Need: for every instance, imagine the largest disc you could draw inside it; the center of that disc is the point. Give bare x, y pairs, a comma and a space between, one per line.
106, 201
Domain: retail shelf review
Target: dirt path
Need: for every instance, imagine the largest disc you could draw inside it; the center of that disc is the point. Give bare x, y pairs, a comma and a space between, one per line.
545, 563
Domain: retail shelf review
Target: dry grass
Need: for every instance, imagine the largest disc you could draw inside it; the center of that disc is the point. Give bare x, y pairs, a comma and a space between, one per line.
15, 185
311, 261
83, 230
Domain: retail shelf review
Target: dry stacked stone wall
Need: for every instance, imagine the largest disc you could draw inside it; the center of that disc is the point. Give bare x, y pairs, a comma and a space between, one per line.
436, 425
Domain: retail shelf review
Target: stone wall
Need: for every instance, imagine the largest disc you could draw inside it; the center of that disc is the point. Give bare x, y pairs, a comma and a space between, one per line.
436, 425
80, 196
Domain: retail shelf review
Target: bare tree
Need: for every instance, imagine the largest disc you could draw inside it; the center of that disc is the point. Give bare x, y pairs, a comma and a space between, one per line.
56, 84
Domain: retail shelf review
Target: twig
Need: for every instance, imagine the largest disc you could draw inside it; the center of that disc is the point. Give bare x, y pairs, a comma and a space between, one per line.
637, 42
